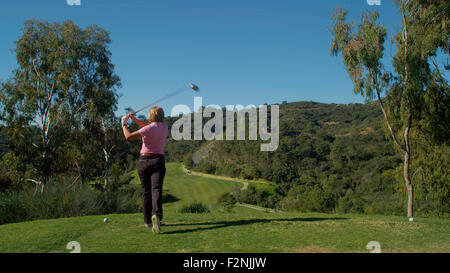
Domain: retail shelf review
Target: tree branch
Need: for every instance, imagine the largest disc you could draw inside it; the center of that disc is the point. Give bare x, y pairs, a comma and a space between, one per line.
34, 181
35, 69
438, 71
407, 129
414, 175
380, 101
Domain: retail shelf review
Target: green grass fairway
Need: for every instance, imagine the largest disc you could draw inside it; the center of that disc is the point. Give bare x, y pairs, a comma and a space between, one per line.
244, 230
186, 189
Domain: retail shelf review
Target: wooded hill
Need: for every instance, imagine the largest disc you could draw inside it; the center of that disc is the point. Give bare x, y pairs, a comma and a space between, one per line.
331, 157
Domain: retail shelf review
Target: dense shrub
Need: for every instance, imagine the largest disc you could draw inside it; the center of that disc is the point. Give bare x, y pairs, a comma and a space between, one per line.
5, 182
63, 199
187, 160
227, 201
308, 199
196, 207
258, 197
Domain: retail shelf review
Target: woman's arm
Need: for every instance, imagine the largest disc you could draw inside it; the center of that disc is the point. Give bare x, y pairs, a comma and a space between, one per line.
138, 122
130, 136
126, 132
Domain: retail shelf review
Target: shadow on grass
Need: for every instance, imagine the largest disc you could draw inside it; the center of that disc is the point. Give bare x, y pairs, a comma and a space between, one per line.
223, 224
169, 198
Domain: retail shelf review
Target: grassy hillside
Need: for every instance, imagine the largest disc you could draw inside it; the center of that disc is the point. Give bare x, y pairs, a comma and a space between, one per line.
243, 230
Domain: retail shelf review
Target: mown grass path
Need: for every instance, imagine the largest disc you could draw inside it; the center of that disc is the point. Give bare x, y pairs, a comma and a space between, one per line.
244, 187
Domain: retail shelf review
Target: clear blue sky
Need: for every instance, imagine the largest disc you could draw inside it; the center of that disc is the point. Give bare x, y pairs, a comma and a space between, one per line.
237, 51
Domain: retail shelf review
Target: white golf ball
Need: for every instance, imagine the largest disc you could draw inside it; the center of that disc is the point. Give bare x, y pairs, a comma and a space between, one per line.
105, 220
411, 219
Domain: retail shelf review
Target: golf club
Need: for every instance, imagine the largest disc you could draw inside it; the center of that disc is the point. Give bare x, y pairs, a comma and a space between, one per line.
173, 93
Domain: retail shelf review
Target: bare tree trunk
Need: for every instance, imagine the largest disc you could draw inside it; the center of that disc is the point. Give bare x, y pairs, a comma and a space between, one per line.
106, 180
406, 154
45, 105
407, 151
407, 157
409, 185
107, 156
106, 169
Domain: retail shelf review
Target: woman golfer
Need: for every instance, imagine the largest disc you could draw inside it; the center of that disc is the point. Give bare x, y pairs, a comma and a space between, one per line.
151, 166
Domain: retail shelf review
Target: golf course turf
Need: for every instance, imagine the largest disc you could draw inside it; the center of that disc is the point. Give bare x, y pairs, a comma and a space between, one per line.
243, 230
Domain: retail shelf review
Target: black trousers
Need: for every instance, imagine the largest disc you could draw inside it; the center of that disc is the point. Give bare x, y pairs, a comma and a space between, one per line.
151, 170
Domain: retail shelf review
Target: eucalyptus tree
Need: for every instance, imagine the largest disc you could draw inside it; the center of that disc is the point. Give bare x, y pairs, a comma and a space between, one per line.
417, 83
64, 80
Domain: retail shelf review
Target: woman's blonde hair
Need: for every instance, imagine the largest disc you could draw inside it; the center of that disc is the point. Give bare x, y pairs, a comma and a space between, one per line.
156, 114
